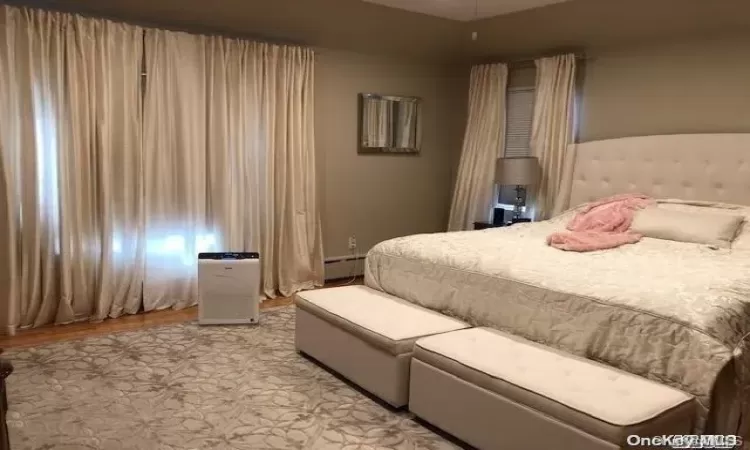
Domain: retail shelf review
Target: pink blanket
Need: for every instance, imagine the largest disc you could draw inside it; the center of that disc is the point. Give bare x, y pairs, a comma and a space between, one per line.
601, 225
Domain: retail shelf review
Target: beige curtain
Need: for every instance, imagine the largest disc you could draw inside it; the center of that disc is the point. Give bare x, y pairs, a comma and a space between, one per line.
98, 217
552, 126
483, 144
175, 168
243, 150
70, 137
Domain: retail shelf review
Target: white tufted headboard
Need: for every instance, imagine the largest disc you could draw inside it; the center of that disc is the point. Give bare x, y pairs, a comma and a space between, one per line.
709, 167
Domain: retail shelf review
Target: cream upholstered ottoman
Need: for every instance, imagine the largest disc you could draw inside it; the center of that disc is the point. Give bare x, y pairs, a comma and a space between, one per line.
498, 391
366, 335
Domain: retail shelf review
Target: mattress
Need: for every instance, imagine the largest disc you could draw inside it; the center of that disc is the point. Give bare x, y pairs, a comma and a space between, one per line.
672, 312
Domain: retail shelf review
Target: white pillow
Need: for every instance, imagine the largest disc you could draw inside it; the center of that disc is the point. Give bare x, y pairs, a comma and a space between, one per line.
741, 241
718, 230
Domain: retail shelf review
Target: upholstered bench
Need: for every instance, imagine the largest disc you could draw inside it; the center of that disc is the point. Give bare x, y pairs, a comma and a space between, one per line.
498, 391
366, 335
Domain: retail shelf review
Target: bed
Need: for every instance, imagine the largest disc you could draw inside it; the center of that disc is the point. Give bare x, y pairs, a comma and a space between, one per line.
674, 312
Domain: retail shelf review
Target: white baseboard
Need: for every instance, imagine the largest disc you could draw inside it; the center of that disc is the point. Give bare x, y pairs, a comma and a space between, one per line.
340, 267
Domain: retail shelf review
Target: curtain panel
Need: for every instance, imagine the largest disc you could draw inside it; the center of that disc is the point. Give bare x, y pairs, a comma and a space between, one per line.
70, 130
109, 187
552, 126
484, 142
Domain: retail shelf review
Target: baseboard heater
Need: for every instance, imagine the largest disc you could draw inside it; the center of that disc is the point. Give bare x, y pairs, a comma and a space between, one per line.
340, 267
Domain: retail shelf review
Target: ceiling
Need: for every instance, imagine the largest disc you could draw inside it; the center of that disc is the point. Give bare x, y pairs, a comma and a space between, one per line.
372, 28
464, 10
590, 25
351, 25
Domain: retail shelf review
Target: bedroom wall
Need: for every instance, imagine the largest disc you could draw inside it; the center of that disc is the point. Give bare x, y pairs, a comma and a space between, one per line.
581, 24
685, 85
377, 197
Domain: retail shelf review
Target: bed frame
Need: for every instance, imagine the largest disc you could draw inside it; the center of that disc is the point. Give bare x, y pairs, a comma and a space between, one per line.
705, 167
708, 167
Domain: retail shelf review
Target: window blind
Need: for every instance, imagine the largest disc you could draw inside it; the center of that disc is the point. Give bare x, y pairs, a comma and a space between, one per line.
520, 112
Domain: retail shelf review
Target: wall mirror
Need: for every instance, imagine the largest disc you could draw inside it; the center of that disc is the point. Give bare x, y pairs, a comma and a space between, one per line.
389, 124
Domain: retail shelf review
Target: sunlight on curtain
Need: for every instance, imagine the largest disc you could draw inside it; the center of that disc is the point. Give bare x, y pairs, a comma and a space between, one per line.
175, 167
71, 102
45, 132
104, 100
243, 182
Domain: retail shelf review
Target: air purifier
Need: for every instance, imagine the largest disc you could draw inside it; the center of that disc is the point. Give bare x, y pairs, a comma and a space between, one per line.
229, 288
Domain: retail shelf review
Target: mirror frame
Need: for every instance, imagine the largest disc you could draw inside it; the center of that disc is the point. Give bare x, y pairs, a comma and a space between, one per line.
388, 150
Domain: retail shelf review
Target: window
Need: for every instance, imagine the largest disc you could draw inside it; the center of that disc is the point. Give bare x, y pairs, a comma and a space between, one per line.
520, 112
519, 115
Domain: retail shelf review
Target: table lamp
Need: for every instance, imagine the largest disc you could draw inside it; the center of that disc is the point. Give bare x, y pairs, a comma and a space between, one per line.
519, 172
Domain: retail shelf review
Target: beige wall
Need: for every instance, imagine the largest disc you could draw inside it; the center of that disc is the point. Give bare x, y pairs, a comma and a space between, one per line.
580, 24
377, 197
695, 85
522, 77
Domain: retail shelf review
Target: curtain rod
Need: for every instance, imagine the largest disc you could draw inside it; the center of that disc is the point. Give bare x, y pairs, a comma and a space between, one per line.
52, 5
529, 61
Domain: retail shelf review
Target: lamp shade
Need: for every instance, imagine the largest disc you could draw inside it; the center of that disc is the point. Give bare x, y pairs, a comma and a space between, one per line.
523, 171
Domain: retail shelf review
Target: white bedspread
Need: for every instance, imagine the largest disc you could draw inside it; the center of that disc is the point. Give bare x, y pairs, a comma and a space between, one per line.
672, 312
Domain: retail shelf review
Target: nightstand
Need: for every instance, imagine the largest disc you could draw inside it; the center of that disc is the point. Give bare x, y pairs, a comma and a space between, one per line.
485, 225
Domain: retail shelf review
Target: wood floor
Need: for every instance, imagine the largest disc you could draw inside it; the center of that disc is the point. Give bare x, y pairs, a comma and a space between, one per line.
55, 333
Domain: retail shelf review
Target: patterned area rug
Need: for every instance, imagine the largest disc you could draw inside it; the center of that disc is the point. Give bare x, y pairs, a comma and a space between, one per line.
190, 387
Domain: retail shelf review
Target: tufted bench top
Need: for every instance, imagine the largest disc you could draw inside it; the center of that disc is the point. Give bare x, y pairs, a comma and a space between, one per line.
380, 319
596, 398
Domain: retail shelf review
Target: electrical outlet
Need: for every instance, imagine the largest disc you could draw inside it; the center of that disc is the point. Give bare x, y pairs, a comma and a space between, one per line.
352, 243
